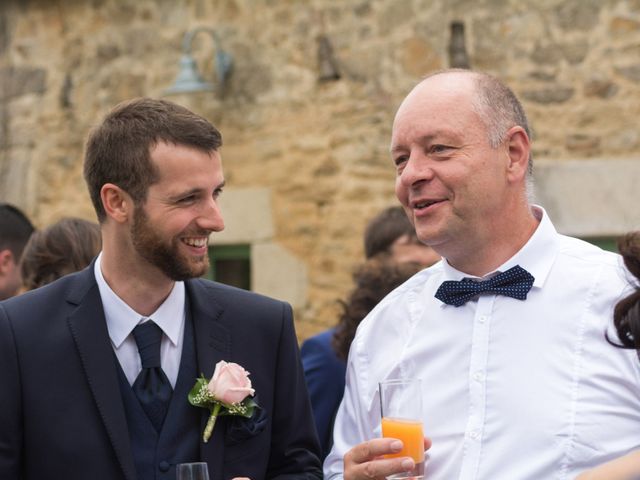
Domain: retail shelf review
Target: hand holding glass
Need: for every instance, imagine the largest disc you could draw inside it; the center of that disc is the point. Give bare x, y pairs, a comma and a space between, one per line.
192, 471
401, 408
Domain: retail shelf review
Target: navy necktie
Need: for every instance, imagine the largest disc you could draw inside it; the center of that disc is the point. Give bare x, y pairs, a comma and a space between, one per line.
152, 386
515, 282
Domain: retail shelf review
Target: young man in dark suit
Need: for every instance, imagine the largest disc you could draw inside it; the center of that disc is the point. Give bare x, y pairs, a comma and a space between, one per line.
81, 396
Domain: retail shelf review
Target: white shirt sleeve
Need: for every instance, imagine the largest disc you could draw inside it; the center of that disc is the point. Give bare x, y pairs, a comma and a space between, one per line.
357, 418
388, 327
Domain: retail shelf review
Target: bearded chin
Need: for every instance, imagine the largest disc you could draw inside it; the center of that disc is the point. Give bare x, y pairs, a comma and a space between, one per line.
165, 256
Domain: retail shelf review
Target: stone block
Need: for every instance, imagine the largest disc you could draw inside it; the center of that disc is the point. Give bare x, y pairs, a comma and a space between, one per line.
587, 145
600, 87
590, 198
548, 54
17, 177
623, 26
247, 215
625, 140
270, 265
581, 15
394, 15
488, 39
575, 53
418, 57
328, 168
630, 72
549, 95
5, 35
107, 52
17, 81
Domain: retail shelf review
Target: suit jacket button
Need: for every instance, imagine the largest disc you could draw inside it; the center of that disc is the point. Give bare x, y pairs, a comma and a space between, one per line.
164, 466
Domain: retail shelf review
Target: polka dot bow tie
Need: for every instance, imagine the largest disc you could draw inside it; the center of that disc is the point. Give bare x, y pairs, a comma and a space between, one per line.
515, 282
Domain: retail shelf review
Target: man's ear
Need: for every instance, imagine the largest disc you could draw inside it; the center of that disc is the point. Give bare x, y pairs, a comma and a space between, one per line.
7, 262
519, 148
117, 203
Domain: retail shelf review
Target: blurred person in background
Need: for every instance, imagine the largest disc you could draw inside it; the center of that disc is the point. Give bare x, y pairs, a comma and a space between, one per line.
393, 254
15, 230
626, 319
391, 232
67, 246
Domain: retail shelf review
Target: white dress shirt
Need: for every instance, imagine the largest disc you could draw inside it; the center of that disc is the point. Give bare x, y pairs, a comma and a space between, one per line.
122, 319
512, 390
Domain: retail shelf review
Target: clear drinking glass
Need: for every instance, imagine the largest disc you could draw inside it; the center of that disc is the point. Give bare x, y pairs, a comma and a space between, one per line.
401, 410
192, 471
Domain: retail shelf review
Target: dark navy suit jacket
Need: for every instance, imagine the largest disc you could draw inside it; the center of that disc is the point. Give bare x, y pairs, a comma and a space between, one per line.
324, 373
61, 412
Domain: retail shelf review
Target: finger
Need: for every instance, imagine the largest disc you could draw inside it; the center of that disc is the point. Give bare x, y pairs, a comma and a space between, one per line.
373, 448
366, 460
427, 443
378, 469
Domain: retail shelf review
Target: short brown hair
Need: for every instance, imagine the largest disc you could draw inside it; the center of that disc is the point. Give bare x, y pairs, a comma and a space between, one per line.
118, 150
62, 248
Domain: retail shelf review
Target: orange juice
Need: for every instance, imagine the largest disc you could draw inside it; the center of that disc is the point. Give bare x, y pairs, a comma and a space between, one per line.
410, 432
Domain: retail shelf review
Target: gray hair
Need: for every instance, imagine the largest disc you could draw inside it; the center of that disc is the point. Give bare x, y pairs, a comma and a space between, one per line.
496, 105
499, 109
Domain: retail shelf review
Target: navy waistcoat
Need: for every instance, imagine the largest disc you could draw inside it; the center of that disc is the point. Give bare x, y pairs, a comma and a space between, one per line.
156, 455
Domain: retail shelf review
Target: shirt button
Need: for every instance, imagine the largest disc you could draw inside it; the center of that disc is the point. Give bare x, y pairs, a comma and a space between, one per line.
478, 376
474, 435
164, 466
482, 318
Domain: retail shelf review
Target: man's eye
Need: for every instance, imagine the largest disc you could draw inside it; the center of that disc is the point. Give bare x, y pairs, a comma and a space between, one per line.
217, 192
400, 160
188, 199
439, 148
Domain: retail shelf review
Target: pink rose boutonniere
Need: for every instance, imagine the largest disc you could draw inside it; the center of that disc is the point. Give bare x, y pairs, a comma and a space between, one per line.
228, 392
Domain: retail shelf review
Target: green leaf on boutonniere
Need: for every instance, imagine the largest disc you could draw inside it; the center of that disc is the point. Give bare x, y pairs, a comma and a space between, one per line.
199, 395
243, 409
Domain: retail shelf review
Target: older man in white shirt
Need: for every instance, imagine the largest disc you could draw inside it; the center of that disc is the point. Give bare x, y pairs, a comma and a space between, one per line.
507, 333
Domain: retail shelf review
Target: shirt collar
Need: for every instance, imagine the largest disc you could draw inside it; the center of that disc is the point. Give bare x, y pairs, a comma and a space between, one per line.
536, 256
121, 318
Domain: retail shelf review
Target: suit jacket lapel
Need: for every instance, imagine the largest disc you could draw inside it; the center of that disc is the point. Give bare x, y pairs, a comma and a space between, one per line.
213, 343
89, 330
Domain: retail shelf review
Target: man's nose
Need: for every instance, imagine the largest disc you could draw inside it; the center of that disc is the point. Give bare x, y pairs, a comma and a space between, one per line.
416, 170
211, 217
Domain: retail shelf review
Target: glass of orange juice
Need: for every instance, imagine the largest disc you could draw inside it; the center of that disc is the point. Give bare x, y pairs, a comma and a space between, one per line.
401, 409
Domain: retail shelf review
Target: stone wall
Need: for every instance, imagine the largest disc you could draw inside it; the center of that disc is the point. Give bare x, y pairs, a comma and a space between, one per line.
319, 147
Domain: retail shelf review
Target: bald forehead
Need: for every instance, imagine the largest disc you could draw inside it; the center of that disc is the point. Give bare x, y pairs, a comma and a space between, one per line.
441, 106
457, 79
444, 93
446, 85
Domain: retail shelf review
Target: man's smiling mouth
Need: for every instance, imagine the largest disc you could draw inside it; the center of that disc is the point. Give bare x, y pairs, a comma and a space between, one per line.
198, 242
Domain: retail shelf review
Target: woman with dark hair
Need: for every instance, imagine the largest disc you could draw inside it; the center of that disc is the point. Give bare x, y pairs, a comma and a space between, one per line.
626, 318
626, 315
373, 281
67, 246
